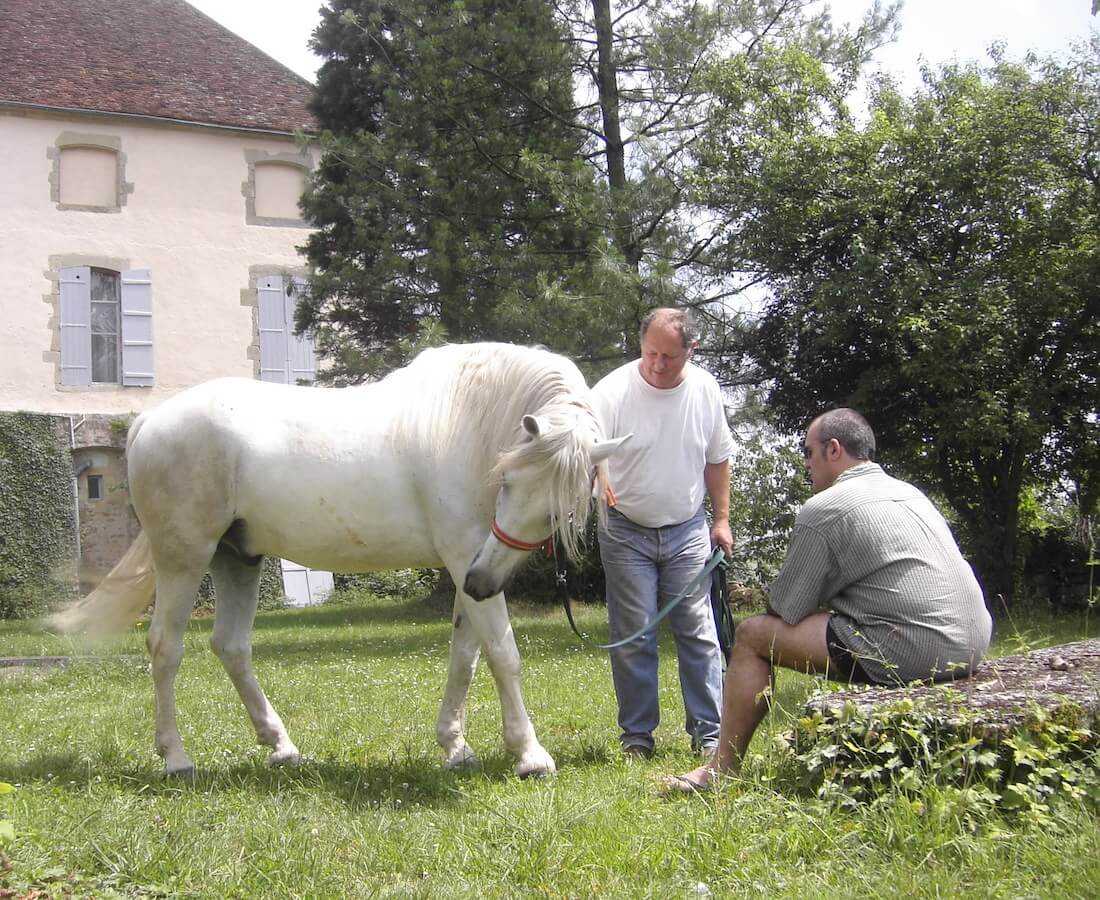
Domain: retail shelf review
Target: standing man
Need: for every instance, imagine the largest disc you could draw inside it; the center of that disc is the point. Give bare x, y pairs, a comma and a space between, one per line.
656, 539
873, 590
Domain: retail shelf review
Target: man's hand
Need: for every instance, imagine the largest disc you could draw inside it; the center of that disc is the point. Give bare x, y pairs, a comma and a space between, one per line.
721, 536
716, 476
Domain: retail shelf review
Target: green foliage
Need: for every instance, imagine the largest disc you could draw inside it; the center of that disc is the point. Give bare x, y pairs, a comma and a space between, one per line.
120, 425
369, 811
934, 267
1060, 547
768, 485
901, 749
7, 827
37, 528
519, 171
399, 584
536, 582
434, 222
271, 588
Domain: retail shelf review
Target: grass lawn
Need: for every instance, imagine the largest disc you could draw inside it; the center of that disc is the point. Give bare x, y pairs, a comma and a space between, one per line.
371, 814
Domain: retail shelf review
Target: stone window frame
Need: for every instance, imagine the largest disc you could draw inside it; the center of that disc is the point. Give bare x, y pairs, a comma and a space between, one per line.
299, 160
73, 139
250, 298
53, 298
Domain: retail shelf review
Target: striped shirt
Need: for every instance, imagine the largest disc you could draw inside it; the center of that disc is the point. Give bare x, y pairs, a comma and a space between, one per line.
877, 553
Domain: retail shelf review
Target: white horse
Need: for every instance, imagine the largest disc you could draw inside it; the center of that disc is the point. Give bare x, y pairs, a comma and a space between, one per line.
469, 458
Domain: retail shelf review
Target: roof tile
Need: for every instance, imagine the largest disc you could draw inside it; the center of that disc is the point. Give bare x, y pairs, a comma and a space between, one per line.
159, 58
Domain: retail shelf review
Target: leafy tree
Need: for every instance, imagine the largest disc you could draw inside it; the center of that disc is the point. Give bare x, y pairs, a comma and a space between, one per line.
519, 170
937, 267
768, 484
643, 102
430, 224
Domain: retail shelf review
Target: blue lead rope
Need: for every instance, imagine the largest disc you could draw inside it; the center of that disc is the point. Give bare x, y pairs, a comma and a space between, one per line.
716, 558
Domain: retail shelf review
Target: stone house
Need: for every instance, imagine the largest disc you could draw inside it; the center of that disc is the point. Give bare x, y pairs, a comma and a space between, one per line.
150, 168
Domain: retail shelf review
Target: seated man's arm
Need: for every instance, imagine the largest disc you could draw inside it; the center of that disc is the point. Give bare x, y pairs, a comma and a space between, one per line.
802, 586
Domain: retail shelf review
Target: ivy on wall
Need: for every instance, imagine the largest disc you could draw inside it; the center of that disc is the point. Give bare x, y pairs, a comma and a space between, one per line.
37, 516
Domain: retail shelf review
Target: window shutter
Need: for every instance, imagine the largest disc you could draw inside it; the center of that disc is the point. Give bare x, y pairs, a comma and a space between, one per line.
273, 330
137, 328
75, 288
303, 361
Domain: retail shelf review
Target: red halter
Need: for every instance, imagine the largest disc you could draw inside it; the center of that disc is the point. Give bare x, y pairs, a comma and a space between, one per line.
501, 535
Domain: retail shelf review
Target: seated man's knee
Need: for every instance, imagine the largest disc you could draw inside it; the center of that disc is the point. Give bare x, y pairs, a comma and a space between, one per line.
757, 633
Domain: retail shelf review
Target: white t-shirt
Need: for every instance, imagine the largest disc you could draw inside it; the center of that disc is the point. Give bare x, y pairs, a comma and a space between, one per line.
657, 475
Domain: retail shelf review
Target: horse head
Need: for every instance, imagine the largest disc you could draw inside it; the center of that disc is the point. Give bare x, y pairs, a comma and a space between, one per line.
547, 483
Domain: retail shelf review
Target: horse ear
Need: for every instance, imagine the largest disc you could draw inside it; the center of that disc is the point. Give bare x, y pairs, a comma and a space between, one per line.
601, 450
534, 426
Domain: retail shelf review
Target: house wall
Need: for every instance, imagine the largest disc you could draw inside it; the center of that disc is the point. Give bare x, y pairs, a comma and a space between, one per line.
186, 212
107, 524
181, 203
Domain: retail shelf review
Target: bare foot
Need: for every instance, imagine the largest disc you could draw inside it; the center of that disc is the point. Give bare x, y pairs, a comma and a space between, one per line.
696, 781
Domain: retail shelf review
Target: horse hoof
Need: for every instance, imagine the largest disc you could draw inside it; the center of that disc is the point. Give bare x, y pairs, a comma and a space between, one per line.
185, 774
284, 758
464, 760
539, 765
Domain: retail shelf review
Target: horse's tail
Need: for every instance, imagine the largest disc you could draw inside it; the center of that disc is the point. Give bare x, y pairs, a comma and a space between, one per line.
121, 597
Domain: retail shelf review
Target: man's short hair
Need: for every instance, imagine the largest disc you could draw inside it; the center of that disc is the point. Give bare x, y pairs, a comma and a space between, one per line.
850, 430
680, 319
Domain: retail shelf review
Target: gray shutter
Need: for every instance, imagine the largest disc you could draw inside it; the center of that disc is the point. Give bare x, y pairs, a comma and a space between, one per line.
137, 328
303, 361
75, 289
270, 299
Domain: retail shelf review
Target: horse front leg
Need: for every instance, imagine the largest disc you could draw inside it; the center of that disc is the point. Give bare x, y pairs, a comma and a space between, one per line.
490, 621
451, 726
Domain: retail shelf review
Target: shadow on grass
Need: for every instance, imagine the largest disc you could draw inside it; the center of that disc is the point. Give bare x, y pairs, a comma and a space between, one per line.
336, 614
408, 782
546, 626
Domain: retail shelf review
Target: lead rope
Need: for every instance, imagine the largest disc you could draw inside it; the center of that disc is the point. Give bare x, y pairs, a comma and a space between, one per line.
716, 559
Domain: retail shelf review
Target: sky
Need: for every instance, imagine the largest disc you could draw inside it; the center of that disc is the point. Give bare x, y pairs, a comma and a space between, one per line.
934, 31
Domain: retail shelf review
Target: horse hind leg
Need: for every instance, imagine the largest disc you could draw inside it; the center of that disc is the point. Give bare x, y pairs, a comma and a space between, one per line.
451, 725
237, 589
175, 598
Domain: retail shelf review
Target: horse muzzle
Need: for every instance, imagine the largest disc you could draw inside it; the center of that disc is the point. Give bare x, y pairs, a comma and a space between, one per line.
491, 570
481, 584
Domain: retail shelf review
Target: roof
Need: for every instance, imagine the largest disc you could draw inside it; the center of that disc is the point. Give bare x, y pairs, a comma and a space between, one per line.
160, 58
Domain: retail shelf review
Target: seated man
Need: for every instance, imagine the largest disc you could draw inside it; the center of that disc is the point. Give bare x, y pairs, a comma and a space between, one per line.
900, 602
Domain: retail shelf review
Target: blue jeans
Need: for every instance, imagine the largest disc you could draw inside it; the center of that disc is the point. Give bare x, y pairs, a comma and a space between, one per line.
645, 568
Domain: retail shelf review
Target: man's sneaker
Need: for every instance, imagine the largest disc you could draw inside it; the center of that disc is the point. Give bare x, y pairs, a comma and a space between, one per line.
637, 751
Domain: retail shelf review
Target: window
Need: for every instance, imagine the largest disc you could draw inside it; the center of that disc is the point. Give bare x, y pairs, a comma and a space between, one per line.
106, 326
106, 340
95, 487
285, 357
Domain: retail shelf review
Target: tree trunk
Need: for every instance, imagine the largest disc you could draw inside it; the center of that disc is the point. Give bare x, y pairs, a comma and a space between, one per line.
614, 150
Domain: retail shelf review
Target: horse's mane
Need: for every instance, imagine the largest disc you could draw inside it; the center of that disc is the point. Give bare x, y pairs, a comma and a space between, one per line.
489, 388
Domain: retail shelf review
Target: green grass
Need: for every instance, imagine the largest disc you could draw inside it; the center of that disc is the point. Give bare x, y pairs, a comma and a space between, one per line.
371, 814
